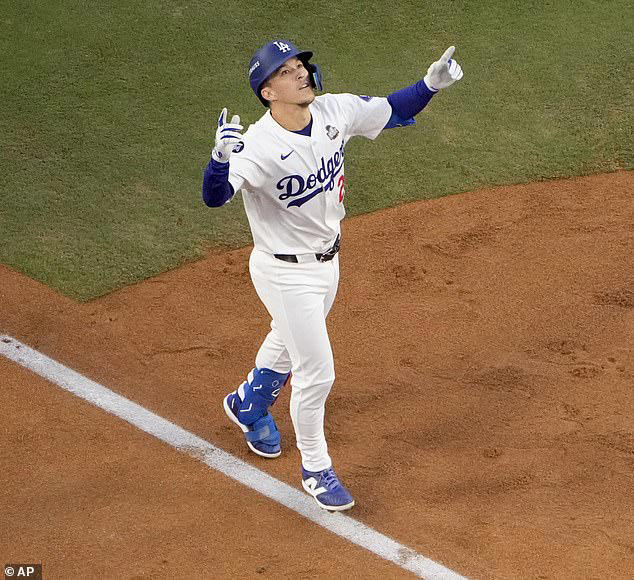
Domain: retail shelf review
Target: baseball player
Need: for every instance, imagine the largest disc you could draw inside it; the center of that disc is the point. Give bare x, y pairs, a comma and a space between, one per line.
289, 166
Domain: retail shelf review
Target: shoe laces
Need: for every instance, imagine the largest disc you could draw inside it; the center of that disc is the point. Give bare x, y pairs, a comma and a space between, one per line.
330, 479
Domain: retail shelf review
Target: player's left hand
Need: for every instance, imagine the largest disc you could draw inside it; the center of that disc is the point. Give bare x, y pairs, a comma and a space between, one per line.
444, 72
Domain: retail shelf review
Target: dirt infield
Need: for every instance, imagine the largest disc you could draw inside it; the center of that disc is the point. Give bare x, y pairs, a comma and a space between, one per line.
482, 412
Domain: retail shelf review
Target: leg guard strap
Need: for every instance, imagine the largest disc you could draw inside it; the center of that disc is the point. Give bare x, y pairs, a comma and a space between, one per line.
264, 430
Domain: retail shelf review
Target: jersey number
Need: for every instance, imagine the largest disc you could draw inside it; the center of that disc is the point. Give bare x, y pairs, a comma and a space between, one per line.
342, 188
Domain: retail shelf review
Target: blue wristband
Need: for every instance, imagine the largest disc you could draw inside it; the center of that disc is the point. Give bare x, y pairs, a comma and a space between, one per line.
216, 187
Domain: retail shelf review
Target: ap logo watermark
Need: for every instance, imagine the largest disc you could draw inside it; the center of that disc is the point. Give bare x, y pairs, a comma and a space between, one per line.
30, 571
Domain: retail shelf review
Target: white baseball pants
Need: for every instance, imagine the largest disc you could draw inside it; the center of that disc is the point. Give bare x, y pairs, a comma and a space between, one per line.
298, 297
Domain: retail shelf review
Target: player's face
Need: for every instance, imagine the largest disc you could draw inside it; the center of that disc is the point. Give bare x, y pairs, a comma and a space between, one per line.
289, 84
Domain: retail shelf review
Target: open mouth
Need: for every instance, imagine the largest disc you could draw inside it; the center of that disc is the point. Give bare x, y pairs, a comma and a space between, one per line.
304, 86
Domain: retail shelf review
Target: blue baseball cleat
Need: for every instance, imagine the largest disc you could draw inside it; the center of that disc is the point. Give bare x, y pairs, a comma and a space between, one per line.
262, 436
327, 490
248, 407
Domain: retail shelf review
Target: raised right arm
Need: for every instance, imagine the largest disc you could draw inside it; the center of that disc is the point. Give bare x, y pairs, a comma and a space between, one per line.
216, 187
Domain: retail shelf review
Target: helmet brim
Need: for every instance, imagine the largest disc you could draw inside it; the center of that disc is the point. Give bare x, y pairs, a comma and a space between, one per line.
304, 56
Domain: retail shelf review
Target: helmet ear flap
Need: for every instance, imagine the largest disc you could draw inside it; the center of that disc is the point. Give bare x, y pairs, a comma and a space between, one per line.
314, 76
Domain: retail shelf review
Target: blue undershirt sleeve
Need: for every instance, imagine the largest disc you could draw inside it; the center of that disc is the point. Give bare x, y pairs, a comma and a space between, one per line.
397, 121
216, 187
408, 102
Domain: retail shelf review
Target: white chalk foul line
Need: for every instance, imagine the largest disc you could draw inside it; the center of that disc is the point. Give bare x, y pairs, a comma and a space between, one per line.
186, 442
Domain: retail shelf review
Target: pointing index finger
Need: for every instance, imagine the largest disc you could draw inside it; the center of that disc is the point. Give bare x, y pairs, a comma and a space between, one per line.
444, 59
223, 116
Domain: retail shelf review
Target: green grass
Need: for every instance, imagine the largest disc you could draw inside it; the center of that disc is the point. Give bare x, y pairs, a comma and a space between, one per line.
109, 111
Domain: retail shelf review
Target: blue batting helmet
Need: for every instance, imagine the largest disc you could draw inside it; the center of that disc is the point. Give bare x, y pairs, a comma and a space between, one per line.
271, 57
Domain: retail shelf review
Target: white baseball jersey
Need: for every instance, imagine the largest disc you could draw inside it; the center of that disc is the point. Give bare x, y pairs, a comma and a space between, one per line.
293, 185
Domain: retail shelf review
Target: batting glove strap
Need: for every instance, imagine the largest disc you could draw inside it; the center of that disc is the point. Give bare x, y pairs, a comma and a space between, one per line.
221, 155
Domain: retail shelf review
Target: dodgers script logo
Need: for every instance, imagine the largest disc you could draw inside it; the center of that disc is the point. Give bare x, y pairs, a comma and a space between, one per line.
296, 185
